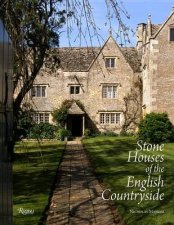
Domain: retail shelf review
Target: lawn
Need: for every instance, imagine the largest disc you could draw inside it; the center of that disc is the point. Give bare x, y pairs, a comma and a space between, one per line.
109, 156
34, 171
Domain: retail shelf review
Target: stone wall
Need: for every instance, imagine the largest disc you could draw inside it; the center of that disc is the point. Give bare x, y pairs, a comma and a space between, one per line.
158, 71
91, 82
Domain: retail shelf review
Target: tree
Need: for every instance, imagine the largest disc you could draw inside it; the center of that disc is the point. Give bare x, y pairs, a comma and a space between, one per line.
133, 107
34, 27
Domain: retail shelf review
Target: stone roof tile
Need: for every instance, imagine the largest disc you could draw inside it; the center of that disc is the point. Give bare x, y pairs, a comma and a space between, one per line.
155, 28
132, 58
80, 59
75, 109
77, 59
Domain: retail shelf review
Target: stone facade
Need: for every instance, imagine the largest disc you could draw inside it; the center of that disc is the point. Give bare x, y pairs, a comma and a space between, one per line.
156, 47
102, 90
107, 81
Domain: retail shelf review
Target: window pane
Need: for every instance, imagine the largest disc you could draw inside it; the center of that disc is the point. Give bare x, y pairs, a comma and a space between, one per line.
33, 91
114, 91
107, 62
43, 91
47, 117
171, 34
74, 89
41, 117
71, 89
77, 89
107, 117
110, 118
102, 118
109, 92
112, 62
38, 91
36, 117
113, 118
104, 94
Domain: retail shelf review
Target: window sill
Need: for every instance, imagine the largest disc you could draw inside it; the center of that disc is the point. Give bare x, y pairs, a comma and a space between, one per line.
110, 124
109, 98
38, 97
75, 94
110, 68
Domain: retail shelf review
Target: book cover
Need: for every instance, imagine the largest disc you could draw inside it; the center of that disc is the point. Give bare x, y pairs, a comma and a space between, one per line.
95, 134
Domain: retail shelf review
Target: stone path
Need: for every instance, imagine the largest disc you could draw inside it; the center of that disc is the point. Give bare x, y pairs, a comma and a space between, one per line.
77, 198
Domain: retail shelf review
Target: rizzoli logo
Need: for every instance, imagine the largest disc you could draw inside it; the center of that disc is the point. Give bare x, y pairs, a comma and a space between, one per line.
26, 211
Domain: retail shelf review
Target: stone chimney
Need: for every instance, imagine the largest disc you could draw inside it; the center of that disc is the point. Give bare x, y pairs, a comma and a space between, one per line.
149, 28
140, 33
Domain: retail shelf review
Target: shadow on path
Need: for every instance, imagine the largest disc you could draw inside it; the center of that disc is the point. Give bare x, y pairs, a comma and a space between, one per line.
77, 197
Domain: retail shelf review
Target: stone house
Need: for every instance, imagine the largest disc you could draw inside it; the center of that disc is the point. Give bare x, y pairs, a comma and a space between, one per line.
156, 47
115, 85
99, 78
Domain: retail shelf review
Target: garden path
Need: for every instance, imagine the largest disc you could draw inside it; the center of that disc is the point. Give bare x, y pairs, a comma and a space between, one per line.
77, 197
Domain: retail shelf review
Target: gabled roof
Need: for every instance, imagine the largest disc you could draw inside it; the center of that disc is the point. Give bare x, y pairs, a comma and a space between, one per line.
155, 28
110, 37
77, 59
75, 109
73, 59
131, 56
161, 27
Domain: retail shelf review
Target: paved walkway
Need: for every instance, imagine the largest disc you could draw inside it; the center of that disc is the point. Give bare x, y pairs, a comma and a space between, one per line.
77, 196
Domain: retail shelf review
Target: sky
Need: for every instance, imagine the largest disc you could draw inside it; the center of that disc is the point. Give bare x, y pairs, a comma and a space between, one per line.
138, 11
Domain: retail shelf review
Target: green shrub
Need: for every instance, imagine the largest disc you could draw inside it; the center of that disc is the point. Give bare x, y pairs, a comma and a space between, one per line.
156, 128
108, 134
60, 115
104, 134
96, 134
24, 125
87, 132
62, 133
124, 133
42, 131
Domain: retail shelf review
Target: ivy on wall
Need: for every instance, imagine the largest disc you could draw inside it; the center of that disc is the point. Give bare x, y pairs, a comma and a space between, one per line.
60, 114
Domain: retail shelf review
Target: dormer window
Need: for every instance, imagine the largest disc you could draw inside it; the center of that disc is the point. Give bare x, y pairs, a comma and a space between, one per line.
110, 62
75, 89
172, 34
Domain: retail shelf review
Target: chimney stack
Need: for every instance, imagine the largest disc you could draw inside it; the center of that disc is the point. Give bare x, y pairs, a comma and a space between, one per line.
149, 31
140, 35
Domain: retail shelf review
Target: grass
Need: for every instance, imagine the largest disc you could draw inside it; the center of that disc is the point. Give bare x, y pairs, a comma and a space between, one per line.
109, 158
34, 171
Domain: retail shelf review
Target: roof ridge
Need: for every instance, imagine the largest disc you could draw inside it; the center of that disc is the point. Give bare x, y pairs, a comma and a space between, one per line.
85, 47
